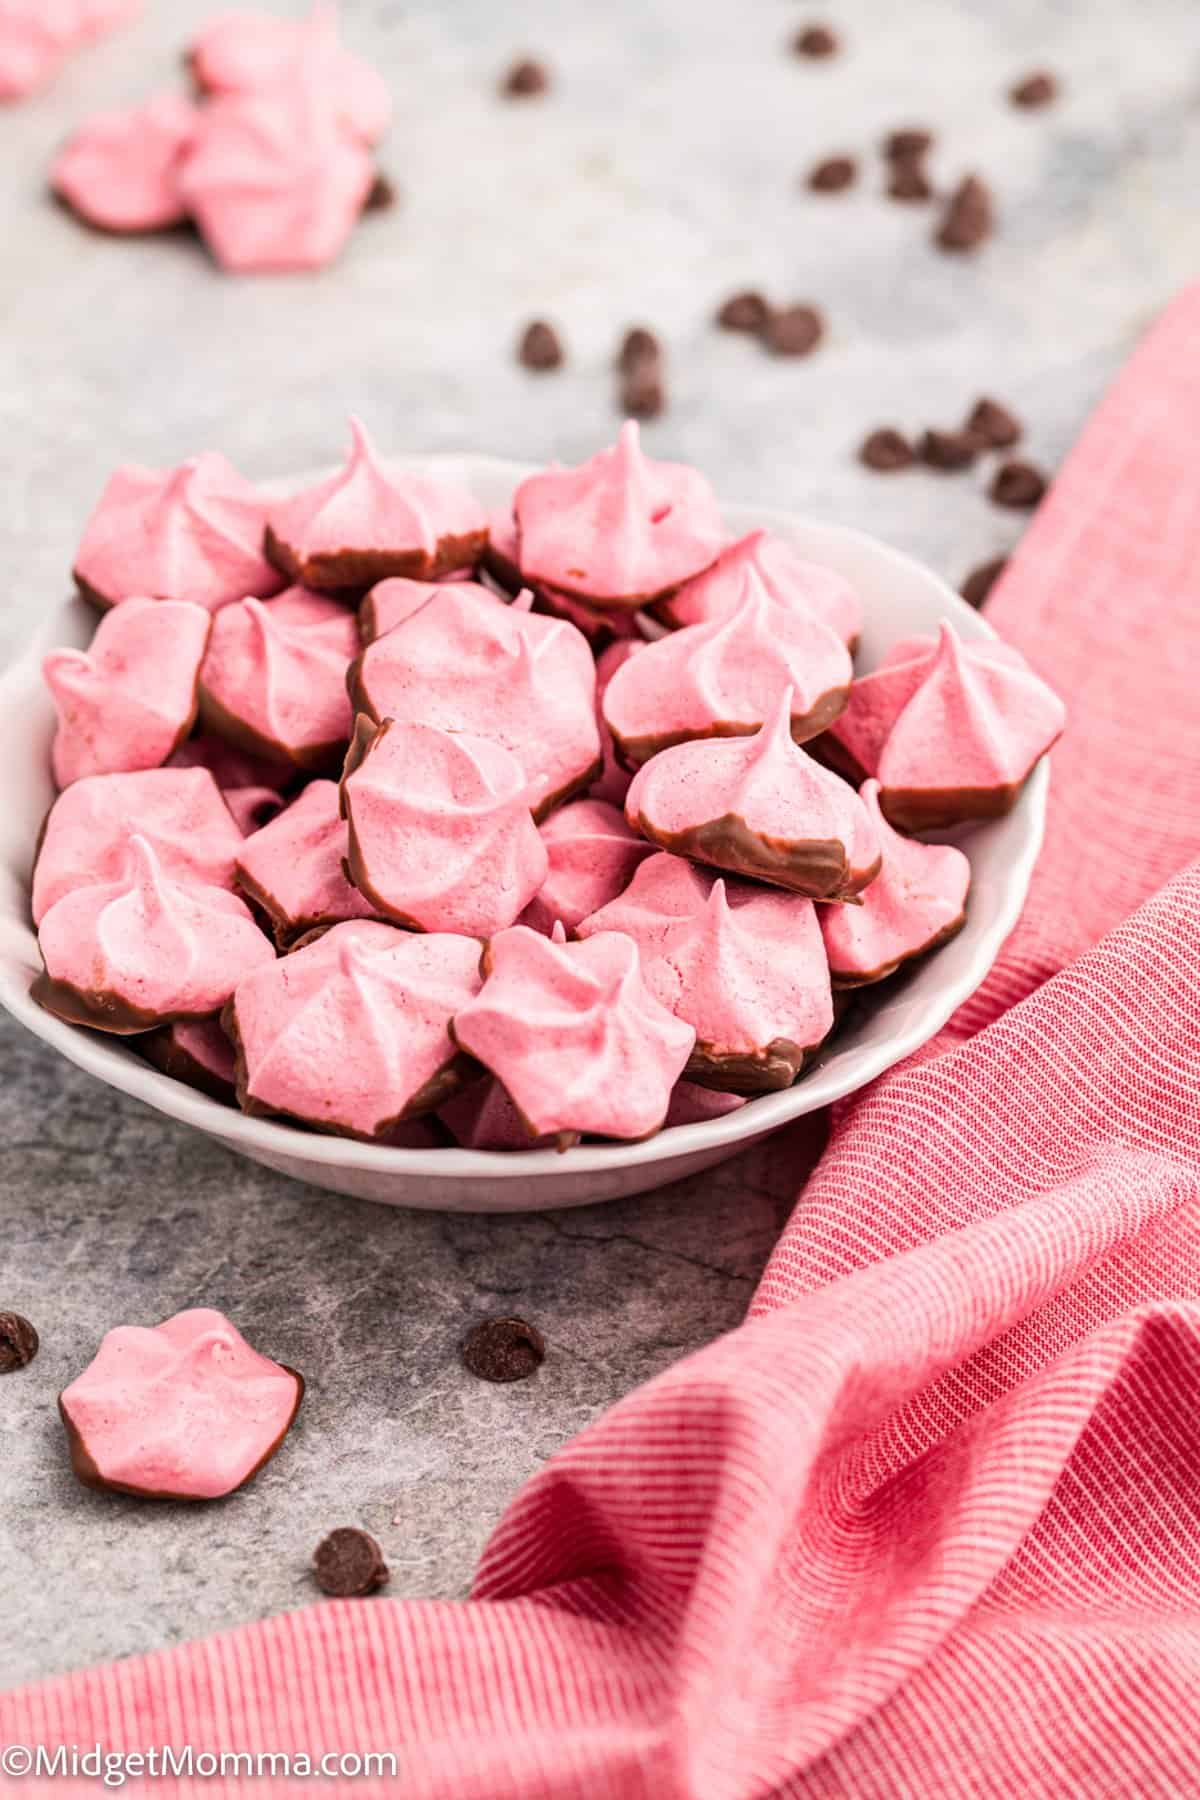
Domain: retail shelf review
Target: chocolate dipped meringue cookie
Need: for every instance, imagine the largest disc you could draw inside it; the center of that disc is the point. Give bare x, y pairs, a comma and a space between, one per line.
119, 171
592, 858
789, 579
293, 867
273, 682
196, 1052
245, 52
390, 602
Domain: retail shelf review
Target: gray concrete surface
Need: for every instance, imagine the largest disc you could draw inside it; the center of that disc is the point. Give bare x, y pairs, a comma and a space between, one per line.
660, 173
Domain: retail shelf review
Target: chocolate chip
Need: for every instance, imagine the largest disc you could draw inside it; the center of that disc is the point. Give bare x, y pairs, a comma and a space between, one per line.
540, 347
643, 393
1038, 89
18, 1342
908, 144
349, 1563
979, 583
383, 194
504, 1350
968, 219
793, 330
908, 181
992, 426
526, 78
637, 346
886, 449
1017, 484
833, 175
747, 311
816, 41
947, 449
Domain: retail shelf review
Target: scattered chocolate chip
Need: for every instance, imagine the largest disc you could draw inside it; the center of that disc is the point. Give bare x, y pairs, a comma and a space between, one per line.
526, 78
747, 311
18, 1342
833, 175
643, 392
540, 347
349, 1563
1017, 484
968, 219
793, 330
504, 1350
980, 582
637, 346
886, 449
992, 426
908, 144
1038, 89
947, 449
908, 181
816, 41
383, 194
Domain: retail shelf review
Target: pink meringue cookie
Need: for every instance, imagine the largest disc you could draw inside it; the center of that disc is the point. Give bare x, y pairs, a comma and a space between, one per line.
758, 806
441, 836
391, 602
120, 170
239, 53
86, 835
614, 780
35, 37
351, 1031
191, 533
126, 955
96, 17
186, 1411
482, 1116
917, 901
274, 680
129, 699
722, 679
467, 662
252, 787
592, 857
789, 579
692, 1105
274, 181
196, 1052
293, 867
373, 520
620, 530
575, 1035
743, 965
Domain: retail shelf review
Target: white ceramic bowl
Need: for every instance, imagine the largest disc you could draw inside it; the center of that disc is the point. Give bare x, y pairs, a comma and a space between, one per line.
899, 597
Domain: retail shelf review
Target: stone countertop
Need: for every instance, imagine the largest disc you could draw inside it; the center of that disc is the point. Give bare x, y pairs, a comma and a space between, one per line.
660, 173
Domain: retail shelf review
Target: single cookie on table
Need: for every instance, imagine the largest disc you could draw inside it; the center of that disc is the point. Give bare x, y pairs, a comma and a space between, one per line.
196, 1052
144, 950
373, 520
87, 831
742, 964
721, 679
130, 698
273, 682
790, 579
191, 533
441, 837
390, 602
466, 661
293, 868
613, 782
384, 998
917, 901
575, 1035
758, 806
619, 531
185, 1411
120, 170
951, 730
592, 858
241, 53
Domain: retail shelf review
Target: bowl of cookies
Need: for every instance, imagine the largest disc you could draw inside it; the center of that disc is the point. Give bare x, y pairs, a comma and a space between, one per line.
455, 834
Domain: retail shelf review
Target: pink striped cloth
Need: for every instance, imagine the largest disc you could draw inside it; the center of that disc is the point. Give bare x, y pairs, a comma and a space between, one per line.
928, 1524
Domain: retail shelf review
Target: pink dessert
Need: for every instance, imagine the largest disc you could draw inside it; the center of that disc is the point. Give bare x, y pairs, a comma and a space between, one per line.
722, 679
128, 700
351, 1031
186, 1411
252, 787
758, 806
87, 832
742, 965
273, 179
613, 784
241, 52
129, 954
692, 1105
274, 679
482, 1116
441, 836
120, 170
592, 857
467, 662
789, 579
191, 533
293, 866
391, 602
917, 901
372, 520
194, 1051
620, 530
575, 1035
36, 36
